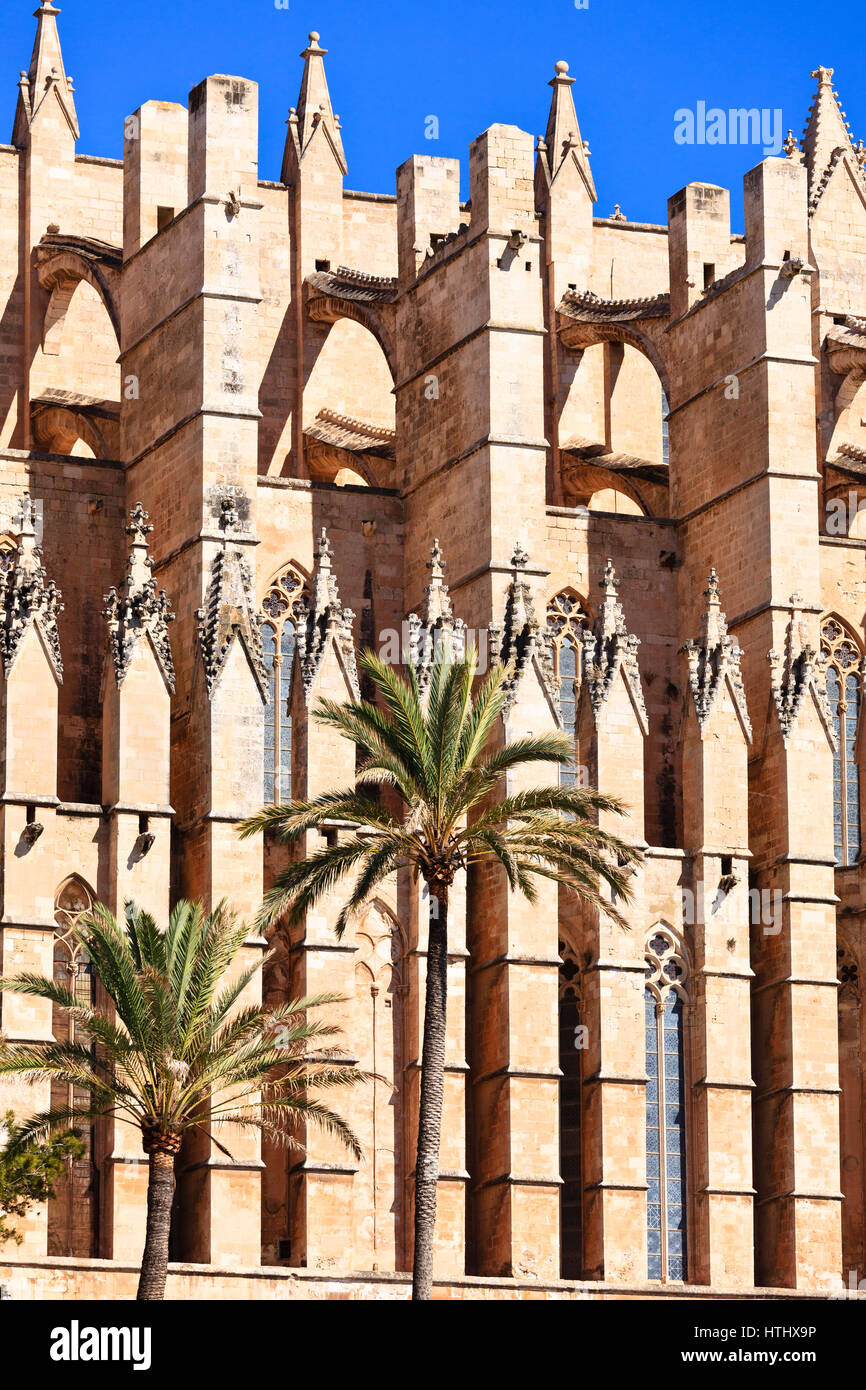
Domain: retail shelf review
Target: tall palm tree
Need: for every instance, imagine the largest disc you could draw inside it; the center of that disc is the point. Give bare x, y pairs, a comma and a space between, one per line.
432, 749
182, 1053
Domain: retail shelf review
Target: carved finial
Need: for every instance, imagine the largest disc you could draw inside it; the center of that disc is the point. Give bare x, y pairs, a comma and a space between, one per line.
139, 525
791, 145
139, 607
438, 602
860, 155
609, 648
793, 673
561, 68
715, 659
26, 597
824, 76
617, 215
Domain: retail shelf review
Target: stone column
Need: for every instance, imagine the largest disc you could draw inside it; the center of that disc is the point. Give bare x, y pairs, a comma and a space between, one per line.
716, 737
31, 671
612, 728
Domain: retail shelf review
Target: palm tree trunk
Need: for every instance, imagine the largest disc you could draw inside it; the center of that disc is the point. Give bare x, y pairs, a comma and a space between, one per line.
430, 1110
154, 1261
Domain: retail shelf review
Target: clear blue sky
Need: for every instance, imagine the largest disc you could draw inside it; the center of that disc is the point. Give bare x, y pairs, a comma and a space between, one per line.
390, 65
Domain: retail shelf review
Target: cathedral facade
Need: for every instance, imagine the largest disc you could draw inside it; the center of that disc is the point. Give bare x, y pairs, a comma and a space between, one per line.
248, 427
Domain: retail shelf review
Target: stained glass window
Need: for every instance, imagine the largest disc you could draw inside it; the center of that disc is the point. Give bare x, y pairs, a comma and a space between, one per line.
666, 454
844, 666
278, 645
667, 1200
566, 620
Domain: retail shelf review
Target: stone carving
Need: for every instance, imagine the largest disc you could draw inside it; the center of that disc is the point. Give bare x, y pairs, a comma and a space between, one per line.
26, 597
229, 613
139, 607
793, 673
714, 659
323, 619
436, 626
608, 649
519, 642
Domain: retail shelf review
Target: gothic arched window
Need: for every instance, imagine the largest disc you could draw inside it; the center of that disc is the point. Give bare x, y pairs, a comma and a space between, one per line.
278, 645
667, 1203
571, 1041
73, 1211
844, 689
566, 620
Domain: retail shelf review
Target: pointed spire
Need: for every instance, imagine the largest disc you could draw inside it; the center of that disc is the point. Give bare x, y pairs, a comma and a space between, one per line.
715, 659
323, 620
608, 649
562, 141
518, 640
229, 613
139, 608
26, 598
436, 624
314, 115
45, 76
793, 673
826, 133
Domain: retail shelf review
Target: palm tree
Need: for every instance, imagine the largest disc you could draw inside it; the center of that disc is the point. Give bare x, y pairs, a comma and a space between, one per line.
432, 749
183, 1052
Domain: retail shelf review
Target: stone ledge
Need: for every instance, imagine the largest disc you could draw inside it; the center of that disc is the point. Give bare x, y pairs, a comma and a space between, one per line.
46, 1279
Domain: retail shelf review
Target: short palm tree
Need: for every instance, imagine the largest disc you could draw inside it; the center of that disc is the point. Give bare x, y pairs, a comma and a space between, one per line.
182, 1053
432, 748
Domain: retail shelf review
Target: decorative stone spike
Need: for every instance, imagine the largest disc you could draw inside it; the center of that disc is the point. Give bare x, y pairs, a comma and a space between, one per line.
714, 659
518, 642
436, 625
793, 673
140, 607
321, 620
26, 598
609, 648
229, 613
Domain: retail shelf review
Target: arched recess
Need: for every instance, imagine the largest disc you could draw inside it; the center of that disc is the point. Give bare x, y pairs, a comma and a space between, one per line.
82, 429
64, 264
852, 1106
842, 657
349, 408
73, 1213
380, 1198
666, 1002
612, 406
75, 379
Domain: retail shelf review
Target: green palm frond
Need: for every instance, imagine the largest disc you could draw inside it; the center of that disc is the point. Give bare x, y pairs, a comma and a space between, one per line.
184, 1049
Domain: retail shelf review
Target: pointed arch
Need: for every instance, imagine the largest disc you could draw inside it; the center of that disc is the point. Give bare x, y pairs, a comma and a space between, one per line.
567, 619
665, 1002
844, 666
279, 619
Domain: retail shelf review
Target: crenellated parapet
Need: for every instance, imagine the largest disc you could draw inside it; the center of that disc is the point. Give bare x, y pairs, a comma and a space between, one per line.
609, 649
323, 622
139, 608
714, 660
436, 625
27, 598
